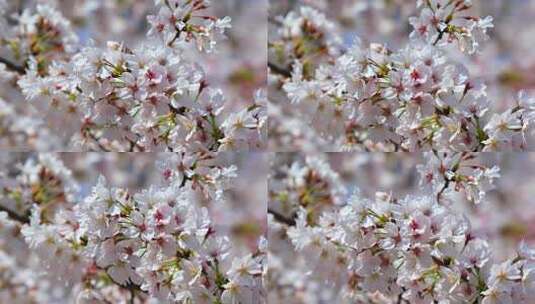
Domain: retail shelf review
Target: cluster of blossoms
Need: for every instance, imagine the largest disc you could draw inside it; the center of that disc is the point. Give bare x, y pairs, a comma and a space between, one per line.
149, 76
180, 21
459, 173
41, 35
413, 249
153, 97
316, 187
450, 20
375, 98
114, 246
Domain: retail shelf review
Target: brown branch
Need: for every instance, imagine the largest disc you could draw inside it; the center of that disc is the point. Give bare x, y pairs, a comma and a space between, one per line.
279, 70
281, 218
132, 296
15, 216
12, 66
400, 296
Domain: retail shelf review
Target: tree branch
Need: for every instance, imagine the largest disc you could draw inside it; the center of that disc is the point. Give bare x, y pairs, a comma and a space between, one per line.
15, 216
12, 66
97, 141
279, 70
132, 296
281, 218
400, 296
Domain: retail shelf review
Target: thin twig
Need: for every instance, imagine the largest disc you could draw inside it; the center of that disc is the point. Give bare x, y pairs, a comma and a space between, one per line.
400, 296
97, 141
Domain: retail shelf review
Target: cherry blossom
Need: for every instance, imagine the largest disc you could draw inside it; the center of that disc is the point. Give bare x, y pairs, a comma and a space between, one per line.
153, 95
391, 248
372, 97
112, 244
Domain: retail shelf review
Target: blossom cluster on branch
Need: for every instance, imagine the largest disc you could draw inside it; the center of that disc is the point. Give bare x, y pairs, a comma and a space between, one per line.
328, 246
157, 245
199, 225
151, 97
330, 97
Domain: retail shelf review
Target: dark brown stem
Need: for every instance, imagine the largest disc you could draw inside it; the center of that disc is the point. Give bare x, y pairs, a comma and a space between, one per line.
177, 35
12, 66
439, 37
281, 218
279, 70
132, 295
15, 216
400, 296
441, 191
